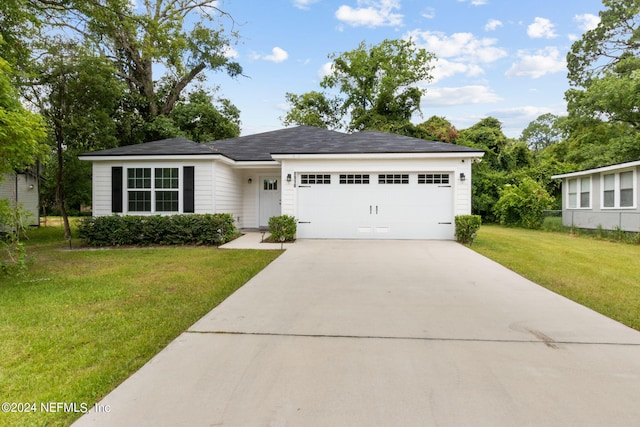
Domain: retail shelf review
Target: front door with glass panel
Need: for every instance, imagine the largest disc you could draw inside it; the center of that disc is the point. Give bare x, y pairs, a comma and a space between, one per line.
269, 199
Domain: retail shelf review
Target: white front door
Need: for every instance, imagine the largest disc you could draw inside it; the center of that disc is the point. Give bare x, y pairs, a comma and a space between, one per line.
269, 198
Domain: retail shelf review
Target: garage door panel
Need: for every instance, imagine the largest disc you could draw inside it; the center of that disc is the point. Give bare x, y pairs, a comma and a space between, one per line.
376, 211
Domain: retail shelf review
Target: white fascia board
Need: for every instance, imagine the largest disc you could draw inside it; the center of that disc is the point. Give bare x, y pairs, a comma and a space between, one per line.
219, 157
390, 156
598, 170
265, 164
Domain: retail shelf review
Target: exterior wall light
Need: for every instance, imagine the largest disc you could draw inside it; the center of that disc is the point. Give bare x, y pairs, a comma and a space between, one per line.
250, 181
462, 176
288, 177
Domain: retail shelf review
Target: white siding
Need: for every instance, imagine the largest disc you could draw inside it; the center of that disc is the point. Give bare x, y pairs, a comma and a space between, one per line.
228, 191
27, 197
203, 191
101, 197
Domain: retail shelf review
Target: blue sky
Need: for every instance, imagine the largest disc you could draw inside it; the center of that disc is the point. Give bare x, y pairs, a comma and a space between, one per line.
500, 58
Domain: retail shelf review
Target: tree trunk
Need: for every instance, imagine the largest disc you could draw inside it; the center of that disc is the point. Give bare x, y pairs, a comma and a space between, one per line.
60, 199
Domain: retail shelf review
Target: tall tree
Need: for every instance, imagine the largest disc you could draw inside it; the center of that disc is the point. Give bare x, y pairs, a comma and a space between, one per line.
545, 130
161, 34
379, 87
78, 94
604, 71
22, 133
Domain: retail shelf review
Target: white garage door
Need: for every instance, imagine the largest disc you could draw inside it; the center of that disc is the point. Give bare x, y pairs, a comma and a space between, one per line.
416, 205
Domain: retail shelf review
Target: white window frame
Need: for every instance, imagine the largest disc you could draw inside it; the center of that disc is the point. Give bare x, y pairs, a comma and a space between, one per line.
153, 188
578, 181
617, 189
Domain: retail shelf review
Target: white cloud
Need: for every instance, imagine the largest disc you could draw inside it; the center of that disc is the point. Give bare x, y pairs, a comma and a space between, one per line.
277, 55
461, 46
230, 52
325, 70
429, 13
587, 21
448, 96
303, 4
492, 25
475, 2
544, 61
541, 28
444, 68
458, 53
371, 13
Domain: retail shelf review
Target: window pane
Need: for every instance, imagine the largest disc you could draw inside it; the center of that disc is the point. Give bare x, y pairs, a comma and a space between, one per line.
166, 177
609, 199
585, 185
609, 182
139, 178
626, 180
166, 201
584, 200
140, 201
626, 198
573, 193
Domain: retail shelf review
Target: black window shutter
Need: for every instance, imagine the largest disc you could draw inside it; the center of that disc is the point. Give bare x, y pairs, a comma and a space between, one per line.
187, 190
116, 189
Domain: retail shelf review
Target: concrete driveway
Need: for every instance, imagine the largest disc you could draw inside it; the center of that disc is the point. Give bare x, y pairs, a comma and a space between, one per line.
388, 333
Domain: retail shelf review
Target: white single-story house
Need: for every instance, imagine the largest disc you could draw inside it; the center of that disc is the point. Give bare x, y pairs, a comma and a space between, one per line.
362, 185
21, 189
604, 197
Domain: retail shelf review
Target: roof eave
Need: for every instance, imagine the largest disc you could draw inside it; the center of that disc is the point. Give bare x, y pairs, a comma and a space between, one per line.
401, 155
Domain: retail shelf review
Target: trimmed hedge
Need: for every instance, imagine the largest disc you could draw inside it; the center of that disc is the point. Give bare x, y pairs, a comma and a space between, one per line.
127, 230
466, 227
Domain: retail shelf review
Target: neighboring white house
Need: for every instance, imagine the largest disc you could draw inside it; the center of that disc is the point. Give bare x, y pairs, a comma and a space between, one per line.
604, 197
362, 185
22, 189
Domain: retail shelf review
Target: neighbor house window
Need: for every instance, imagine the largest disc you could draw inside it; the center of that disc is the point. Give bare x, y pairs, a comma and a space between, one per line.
618, 190
585, 192
143, 189
579, 193
626, 189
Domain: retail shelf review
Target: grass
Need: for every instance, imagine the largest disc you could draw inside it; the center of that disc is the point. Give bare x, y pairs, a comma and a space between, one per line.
602, 275
81, 321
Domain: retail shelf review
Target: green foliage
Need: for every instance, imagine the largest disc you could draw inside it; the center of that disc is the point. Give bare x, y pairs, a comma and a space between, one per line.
437, 128
13, 254
283, 226
200, 121
22, 133
193, 229
378, 88
313, 108
543, 132
523, 205
466, 227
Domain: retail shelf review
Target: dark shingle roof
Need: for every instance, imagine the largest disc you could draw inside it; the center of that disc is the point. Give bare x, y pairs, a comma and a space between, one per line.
164, 147
297, 140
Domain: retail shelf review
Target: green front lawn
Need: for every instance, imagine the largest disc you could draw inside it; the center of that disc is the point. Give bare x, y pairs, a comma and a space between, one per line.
602, 275
81, 321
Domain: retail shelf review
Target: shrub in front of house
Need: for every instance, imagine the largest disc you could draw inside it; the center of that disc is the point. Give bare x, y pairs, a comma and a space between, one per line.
466, 227
126, 230
282, 226
523, 205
